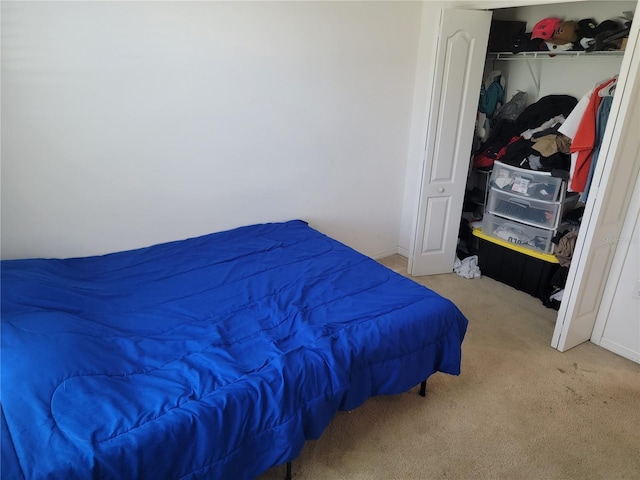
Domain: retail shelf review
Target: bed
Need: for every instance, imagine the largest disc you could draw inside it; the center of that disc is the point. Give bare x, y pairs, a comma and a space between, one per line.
210, 357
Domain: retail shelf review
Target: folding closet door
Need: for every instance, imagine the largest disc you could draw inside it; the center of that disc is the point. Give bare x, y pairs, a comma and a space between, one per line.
460, 55
615, 176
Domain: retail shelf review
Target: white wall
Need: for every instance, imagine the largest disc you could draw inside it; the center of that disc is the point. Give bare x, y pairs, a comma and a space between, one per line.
131, 123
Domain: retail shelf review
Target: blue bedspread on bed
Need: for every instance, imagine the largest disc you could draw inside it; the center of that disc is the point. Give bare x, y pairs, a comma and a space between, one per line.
212, 357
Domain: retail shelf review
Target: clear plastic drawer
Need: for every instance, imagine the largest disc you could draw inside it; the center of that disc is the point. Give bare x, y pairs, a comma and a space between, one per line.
525, 183
518, 233
522, 209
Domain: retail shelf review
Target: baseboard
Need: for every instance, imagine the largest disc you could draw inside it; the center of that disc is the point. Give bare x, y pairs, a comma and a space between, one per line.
392, 251
620, 350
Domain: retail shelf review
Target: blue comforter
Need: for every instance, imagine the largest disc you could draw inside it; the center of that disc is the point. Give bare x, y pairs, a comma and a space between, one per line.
212, 357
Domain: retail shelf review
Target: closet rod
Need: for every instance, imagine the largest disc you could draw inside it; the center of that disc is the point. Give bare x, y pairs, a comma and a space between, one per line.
547, 55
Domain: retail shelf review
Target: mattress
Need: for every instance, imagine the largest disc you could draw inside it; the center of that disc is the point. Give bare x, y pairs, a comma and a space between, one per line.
210, 357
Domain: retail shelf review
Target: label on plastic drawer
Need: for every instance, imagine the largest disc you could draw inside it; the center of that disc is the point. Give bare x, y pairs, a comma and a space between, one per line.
520, 185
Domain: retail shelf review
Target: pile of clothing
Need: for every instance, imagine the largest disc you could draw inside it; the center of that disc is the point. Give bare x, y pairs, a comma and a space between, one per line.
586, 126
532, 139
564, 246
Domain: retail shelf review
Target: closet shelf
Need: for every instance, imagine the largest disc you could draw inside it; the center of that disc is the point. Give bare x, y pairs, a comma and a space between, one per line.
542, 55
545, 54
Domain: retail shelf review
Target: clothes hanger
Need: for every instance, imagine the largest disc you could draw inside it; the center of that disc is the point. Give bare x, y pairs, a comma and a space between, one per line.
610, 89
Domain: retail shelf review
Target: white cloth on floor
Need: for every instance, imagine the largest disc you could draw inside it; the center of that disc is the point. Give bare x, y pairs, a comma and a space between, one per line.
467, 268
558, 295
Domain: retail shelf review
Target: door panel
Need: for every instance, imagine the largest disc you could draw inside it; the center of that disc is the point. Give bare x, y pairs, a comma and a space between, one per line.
437, 214
609, 197
459, 63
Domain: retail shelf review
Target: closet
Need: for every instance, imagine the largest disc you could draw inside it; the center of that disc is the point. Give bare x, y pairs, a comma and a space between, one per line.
439, 150
499, 214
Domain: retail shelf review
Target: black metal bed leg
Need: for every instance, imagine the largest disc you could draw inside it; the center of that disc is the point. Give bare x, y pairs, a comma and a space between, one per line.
288, 475
423, 388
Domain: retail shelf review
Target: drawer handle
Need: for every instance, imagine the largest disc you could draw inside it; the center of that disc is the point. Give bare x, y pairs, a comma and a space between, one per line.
525, 176
520, 203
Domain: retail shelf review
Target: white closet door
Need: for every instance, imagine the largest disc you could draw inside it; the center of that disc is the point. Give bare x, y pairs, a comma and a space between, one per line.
459, 62
609, 197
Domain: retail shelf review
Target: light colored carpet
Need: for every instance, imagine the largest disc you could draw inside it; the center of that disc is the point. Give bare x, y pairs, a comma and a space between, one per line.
519, 410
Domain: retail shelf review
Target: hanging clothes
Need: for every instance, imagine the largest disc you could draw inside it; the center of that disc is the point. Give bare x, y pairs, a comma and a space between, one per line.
570, 127
492, 94
601, 124
491, 99
584, 140
511, 110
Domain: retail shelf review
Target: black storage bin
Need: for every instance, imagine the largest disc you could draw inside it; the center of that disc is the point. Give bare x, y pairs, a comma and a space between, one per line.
524, 272
503, 34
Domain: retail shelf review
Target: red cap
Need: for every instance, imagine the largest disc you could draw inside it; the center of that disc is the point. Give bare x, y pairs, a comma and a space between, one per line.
544, 28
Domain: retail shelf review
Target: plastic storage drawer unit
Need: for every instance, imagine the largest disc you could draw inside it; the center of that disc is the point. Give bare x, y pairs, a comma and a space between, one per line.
518, 233
525, 183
